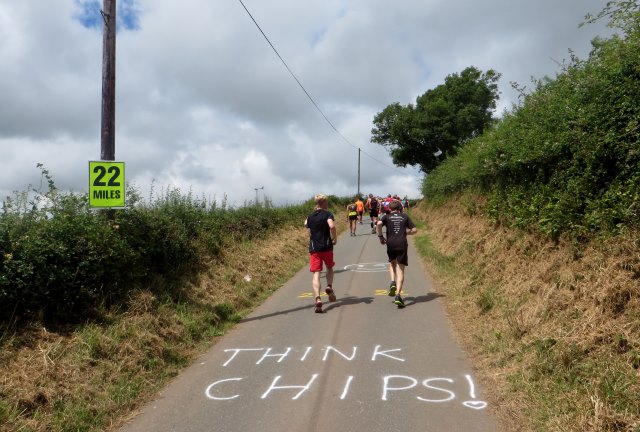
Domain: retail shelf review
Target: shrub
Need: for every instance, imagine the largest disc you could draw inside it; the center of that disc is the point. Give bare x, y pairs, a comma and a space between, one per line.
566, 160
62, 262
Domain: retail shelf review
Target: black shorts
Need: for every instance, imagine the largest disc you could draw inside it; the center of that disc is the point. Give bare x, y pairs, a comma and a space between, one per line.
354, 217
373, 214
401, 255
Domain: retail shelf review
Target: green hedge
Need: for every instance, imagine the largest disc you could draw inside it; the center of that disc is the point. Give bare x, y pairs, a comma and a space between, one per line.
567, 159
61, 262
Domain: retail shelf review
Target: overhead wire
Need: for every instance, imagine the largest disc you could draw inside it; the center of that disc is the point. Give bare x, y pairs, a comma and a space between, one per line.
307, 93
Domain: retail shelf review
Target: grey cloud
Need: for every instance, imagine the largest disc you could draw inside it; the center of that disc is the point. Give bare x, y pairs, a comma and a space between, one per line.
204, 103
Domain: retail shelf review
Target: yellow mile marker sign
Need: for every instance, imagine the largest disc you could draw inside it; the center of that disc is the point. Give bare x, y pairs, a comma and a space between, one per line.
106, 184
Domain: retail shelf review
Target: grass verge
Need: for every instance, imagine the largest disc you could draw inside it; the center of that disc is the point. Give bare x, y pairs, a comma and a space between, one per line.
93, 377
552, 327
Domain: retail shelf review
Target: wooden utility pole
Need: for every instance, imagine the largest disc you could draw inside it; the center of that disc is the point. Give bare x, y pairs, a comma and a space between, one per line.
108, 141
359, 172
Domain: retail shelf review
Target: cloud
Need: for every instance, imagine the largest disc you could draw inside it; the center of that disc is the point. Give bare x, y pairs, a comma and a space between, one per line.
89, 14
204, 104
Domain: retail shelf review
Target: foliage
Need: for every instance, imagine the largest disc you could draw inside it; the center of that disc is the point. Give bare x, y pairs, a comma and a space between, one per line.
61, 262
442, 119
620, 14
105, 369
566, 160
544, 321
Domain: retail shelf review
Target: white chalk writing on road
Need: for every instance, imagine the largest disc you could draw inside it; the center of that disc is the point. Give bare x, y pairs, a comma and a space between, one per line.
434, 390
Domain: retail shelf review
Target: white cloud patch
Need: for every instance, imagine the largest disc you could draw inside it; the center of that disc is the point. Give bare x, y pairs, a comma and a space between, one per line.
204, 104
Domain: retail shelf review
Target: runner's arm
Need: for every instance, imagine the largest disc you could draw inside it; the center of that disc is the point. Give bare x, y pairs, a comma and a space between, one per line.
332, 231
379, 230
411, 227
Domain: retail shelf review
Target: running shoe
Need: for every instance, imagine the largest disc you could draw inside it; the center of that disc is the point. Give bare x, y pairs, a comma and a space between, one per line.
318, 307
331, 294
392, 289
398, 301
373, 230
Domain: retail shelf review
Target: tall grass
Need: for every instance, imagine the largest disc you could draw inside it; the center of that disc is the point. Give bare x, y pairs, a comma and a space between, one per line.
61, 262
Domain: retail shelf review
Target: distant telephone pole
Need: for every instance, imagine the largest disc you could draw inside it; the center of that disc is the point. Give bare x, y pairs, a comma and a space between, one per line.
257, 189
358, 171
108, 131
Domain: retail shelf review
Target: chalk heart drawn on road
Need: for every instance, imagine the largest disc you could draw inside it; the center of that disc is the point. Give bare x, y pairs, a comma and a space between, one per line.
429, 390
368, 267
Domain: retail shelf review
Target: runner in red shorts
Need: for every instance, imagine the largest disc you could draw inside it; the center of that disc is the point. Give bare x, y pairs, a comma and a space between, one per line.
322, 237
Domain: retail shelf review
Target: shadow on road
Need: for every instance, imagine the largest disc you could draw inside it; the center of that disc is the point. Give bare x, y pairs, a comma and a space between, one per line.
410, 301
284, 312
368, 233
344, 301
347, 301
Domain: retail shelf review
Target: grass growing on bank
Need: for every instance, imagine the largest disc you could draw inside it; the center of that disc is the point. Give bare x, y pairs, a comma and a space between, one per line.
553, 334
81, 351
534, 230
92, 375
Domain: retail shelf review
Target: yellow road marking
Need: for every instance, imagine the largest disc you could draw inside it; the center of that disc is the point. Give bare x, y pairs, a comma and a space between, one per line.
379, 292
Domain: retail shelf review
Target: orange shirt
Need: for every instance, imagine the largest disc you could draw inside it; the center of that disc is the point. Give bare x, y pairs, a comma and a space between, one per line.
360, 205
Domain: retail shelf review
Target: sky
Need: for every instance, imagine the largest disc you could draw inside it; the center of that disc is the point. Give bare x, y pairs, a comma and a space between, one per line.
204, 105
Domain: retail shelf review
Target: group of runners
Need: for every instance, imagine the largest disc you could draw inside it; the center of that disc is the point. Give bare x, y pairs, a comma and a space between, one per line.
375, 205
387, 212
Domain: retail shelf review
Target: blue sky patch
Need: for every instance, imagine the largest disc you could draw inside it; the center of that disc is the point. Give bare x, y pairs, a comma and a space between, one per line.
127, 14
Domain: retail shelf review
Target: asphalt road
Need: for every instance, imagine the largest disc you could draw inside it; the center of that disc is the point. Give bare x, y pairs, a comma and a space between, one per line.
363, 365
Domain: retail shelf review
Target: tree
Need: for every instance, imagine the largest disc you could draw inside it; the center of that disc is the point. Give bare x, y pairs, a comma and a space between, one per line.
622, 14
442, 119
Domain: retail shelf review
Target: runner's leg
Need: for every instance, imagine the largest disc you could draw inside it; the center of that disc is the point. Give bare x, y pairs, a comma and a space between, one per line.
392, 270
329, 290
400, 277
392, 276
330, 276
315, 282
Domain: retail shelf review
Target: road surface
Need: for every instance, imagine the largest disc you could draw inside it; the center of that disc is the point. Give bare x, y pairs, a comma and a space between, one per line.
363, 365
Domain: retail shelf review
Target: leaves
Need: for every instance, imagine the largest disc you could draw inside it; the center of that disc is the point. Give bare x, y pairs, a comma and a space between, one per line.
441, 120
61, 262
567, 159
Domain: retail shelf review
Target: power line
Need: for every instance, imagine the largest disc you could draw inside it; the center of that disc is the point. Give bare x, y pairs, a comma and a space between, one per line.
306, 92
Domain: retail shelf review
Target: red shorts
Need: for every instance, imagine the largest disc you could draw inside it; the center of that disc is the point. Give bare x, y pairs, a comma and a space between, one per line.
317, 258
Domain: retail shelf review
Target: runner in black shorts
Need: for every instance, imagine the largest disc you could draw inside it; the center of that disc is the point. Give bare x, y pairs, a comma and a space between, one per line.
352, 216
399, 225
374, 208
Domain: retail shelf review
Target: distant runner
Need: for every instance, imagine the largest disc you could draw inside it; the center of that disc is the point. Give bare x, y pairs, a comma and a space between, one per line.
322, 237
398, 225
360, 206
385, 204
352, 216
373, 205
